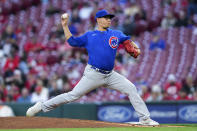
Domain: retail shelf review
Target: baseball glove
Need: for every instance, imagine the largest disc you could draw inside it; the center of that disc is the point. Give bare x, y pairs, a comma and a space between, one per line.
131, 48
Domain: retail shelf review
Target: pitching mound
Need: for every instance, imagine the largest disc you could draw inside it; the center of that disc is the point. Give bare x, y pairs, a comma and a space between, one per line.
45, 122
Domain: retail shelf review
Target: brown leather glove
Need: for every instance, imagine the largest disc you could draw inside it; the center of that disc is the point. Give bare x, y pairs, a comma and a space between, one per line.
131, 49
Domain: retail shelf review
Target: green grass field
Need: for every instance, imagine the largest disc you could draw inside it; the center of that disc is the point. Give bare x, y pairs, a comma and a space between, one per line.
187, 127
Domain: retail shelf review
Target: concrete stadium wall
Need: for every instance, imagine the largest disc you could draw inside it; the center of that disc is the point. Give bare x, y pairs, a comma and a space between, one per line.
74, 110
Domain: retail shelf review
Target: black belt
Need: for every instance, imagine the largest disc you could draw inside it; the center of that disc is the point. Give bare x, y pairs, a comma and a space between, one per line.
101, 71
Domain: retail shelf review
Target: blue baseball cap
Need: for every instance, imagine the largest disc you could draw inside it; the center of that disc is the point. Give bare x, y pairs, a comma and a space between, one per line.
103, 13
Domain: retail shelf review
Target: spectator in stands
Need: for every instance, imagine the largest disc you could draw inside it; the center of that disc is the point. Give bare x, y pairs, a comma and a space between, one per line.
6, 46
157, 43
31, 28
77, 58
25, 97
155, 94
15, 78
194, 25
119, 68
129, 26
1, 98
9, 67
195, 30
182, 19
18, 79
36, 96
40, 94
171, 88
9, 98
56, 32
195, 92
188, 85
8, 77
140, 82
54, 91
132, 9
31, 82
20, 29
43, 76
192, 8
60, 83
195, 95
168, 21
195, 83
12, 93
85, 11
40, 64
75, 16
2, 93
8, 33
73, 73
2, 17
182, 95
66, 87
2, 59
9, 47
171, 3
116, 25
194, 19
33, 45
52, 10
145, 94
141, 15
23, 66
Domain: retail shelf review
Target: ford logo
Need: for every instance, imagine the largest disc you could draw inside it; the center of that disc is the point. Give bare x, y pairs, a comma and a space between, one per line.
188, 113
114, 113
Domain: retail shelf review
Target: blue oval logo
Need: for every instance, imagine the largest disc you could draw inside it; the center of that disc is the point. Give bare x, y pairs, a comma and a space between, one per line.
114, 113
188, 113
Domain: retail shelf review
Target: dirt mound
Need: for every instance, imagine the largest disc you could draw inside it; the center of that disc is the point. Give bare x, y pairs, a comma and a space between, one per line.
45, 122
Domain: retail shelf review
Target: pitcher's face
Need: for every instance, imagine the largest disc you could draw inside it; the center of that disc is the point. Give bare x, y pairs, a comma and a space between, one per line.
104, 22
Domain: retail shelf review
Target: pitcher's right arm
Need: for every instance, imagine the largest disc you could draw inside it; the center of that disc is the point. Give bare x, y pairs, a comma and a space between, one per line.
73, 41
64, 21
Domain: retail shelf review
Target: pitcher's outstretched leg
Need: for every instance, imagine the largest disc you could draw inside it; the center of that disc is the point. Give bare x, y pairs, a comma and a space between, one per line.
84, 86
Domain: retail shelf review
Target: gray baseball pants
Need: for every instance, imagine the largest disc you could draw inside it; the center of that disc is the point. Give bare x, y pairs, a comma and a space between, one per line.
93, 79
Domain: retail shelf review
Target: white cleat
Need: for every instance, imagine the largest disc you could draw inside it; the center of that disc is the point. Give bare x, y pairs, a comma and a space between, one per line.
32, 111
148, 122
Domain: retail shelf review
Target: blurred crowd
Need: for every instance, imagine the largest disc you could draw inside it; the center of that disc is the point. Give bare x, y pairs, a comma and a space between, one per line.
173, 89
39, 70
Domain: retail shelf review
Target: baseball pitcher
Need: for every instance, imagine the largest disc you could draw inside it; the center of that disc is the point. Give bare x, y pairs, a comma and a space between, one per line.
101, 45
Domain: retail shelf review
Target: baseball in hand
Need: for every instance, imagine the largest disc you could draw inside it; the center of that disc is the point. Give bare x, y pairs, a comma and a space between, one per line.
65, 16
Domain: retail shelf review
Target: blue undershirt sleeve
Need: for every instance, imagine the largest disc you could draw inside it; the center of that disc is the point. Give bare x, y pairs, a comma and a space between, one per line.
78, 41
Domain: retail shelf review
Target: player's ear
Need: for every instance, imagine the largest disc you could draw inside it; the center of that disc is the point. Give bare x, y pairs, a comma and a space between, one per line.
97, 19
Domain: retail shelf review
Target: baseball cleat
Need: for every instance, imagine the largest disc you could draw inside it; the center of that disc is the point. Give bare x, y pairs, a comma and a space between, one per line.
148, 122
32, 111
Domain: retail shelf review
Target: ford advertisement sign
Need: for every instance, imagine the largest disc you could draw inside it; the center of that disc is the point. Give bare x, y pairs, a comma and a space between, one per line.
115, 113
163, 113
188, 114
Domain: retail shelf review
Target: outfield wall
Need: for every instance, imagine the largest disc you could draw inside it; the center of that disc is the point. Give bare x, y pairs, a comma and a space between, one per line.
163, 112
